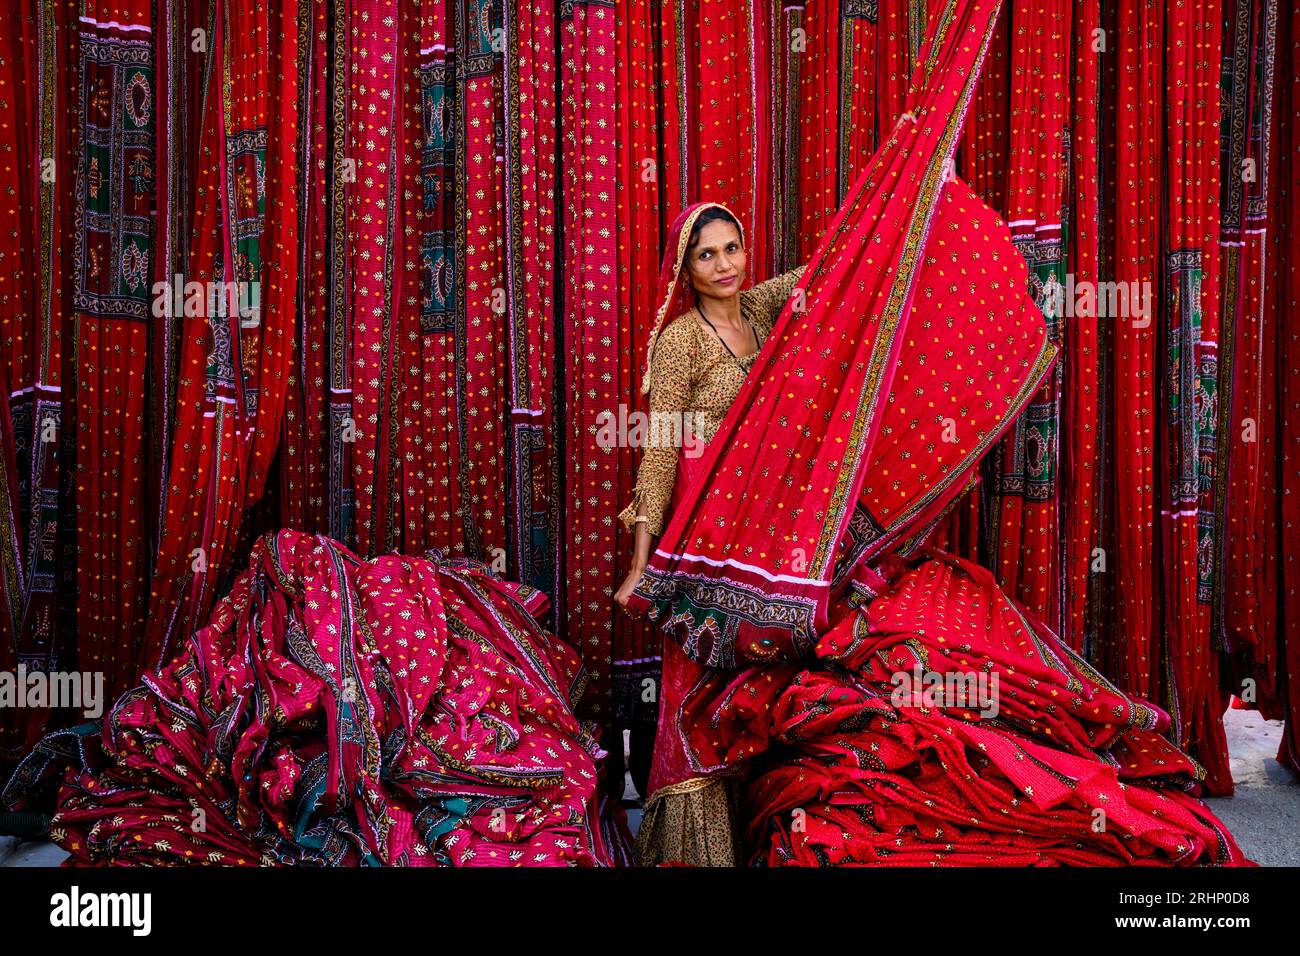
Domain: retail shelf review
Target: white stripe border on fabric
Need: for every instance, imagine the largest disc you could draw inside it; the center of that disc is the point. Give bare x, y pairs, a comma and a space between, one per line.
114, 25
732, 563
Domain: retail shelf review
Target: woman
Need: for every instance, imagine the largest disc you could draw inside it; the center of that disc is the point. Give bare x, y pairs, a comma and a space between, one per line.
884, 702
695, 365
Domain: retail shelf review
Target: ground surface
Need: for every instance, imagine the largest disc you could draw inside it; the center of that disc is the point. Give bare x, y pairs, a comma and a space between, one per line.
1264, 815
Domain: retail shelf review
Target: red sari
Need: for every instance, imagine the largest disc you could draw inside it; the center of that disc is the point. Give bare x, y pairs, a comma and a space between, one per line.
670, 765
860, 424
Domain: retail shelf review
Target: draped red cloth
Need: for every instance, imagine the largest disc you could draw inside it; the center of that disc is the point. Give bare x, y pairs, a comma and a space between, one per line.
1081, 480
1257, 612
307, 447
38, 126
862, 420
374, 220
1188, 672
109, 340
335, 711
1068, 771
640, 122
806, 53
15, 282
590, 339
726, 118
234, 363
532, 124
1023, 512
858, 98
1287, 504
1237, 571
671, 763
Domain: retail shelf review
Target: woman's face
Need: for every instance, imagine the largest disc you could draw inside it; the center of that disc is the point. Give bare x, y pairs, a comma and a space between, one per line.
716, 263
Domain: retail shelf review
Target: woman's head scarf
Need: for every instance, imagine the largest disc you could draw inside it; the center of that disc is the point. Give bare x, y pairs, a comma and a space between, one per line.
672, 274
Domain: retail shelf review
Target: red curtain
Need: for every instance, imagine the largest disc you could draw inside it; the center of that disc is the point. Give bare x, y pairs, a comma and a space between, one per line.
234, 361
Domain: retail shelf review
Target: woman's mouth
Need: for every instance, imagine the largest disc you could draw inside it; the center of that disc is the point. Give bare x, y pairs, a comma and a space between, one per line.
727, 281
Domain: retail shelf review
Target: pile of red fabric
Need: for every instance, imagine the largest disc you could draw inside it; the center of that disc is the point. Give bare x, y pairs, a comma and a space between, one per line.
1036, 760
336, 711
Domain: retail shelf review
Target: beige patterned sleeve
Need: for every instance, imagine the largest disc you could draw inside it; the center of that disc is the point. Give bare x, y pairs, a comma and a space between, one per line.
768, 298
671, 390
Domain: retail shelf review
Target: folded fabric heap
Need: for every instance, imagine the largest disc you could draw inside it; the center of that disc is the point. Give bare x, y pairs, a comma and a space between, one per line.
944, 725
335, 711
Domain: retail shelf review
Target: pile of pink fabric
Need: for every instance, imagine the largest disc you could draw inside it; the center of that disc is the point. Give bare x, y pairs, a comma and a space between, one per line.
335, 711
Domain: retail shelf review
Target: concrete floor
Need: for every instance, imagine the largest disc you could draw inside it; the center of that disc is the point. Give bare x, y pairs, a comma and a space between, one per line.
1264, 815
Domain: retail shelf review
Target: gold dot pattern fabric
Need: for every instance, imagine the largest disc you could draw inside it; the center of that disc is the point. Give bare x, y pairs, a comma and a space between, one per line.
693, 374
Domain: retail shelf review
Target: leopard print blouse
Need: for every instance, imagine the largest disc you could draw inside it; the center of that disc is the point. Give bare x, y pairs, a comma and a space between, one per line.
694, 378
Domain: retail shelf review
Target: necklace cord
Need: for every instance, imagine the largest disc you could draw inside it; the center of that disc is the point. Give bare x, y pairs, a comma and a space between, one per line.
752, 331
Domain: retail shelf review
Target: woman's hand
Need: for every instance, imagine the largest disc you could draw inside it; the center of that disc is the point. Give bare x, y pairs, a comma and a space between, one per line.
629, 584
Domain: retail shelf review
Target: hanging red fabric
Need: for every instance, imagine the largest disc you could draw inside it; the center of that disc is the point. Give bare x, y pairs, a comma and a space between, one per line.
113, 296
590, 337
234, 361
1023, 513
